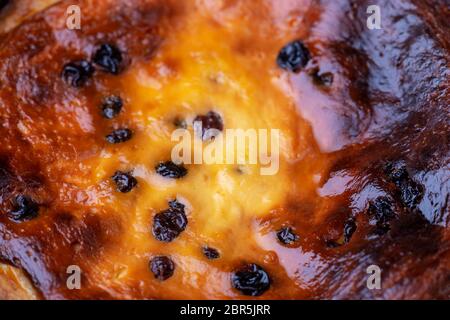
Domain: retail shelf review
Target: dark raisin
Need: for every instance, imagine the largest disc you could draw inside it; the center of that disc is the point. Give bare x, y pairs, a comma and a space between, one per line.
168, 224
251, 280
77, 73
382, 211
410, 191
396, 172
162, 267
109, 58
287, 235
111, 107
125, 182
349, 229
24, 209
119, 136
211, 120
210, 253
169, 169
293, 56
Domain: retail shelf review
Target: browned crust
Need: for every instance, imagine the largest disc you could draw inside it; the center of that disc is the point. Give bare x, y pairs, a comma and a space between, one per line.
405, 90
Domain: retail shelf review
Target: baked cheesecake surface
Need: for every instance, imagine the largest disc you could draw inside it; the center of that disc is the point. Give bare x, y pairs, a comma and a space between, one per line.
87, 179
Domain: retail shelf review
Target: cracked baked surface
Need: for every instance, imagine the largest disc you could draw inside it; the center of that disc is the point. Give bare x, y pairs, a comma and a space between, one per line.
86, 118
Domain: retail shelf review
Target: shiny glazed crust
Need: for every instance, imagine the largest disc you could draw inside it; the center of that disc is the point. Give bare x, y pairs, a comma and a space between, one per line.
364, 152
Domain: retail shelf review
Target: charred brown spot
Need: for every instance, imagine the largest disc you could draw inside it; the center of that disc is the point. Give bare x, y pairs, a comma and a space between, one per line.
330, 243
210, 253
180, 123
24, 208
3, 4
322, 79
5, 173
88, 234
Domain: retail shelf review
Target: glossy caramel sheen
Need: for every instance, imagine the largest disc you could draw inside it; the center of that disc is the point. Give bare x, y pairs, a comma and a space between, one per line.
388, 103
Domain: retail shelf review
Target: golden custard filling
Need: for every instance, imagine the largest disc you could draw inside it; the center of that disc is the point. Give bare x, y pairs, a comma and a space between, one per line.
194, 73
